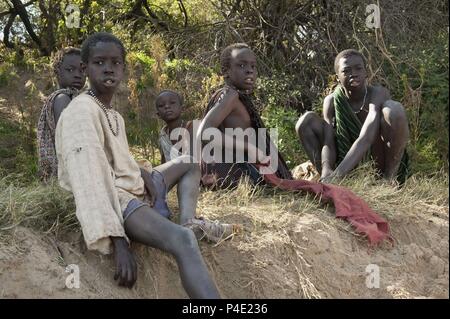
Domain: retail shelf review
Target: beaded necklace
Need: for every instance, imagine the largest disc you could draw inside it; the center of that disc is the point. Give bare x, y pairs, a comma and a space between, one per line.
105, 110
363, 103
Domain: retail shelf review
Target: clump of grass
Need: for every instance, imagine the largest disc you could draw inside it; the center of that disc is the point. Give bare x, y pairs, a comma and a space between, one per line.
416, 196
46, 208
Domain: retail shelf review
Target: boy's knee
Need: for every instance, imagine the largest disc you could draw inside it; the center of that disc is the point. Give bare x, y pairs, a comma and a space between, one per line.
187, 239
194, 171
304, 121
393, 112
184, 159
194, 167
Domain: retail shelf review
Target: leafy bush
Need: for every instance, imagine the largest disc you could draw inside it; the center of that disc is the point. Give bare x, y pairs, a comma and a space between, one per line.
146, 63
278, 96
284, 119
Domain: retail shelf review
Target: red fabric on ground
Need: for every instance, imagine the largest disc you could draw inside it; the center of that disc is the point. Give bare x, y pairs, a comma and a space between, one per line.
347, 205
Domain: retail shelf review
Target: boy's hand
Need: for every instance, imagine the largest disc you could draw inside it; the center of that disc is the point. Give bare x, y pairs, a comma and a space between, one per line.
330, 178
326, 172
265, 164
149, 186
126, 268
263, 159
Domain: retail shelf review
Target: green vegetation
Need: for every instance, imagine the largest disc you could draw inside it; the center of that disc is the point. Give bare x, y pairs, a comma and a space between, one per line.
176, 45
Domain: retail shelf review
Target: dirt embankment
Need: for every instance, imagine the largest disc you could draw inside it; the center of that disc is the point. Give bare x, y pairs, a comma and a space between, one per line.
281, 254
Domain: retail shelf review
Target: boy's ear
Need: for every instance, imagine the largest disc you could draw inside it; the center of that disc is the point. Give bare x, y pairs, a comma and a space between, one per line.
225, 72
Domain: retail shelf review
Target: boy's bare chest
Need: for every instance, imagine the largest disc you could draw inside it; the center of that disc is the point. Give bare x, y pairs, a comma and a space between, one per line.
239, 117
361, 108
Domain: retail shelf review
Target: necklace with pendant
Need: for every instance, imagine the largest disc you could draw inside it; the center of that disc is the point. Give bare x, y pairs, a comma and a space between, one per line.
363, 103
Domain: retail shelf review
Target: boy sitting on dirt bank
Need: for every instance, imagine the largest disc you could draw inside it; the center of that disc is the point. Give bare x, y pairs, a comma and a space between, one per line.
70, 79
231, 107
359, 121
116, 200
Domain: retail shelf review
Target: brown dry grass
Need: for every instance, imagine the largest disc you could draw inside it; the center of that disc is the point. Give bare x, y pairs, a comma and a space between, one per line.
290, 247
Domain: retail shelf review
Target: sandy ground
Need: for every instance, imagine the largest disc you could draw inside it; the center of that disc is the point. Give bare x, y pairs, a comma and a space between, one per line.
307, 255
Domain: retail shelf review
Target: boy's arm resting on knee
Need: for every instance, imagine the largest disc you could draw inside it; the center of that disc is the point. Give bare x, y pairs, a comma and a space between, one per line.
87, 173
328, 154
214, 118
367, 136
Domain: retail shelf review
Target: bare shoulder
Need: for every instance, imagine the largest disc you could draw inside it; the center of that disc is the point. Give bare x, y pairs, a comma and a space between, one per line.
328, 106
60, 103
226, 101
228, 98
61, 100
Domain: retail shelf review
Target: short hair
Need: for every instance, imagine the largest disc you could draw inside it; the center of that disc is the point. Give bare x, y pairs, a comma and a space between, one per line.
179, 96
60, 55
97, 37
346, 54
225, 56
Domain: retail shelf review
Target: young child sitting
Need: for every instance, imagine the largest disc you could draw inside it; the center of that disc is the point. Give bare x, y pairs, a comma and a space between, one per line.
116, 201
169, 105
70, 79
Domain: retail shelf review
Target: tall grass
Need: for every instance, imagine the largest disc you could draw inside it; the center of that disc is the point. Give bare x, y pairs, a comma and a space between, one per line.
46, 208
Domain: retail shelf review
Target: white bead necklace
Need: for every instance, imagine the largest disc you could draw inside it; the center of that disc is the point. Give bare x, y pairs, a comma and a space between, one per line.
363, 103
105, 110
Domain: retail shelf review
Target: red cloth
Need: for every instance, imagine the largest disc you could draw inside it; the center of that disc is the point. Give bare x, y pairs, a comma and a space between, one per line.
347, 205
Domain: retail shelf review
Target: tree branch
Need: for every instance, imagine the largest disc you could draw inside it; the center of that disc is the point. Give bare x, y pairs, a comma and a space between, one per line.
22, 12
12, 10
183, 10
7, 29
154, 18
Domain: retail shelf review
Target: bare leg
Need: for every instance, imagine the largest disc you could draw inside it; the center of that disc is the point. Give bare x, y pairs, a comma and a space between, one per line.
377, 150
395, 133
146, 226
309, 129
187, 174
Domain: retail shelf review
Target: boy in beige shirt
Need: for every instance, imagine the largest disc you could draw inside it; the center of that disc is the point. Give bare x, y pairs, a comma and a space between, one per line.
116, 200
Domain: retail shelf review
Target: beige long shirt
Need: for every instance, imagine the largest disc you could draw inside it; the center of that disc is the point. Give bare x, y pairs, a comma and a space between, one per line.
98, 168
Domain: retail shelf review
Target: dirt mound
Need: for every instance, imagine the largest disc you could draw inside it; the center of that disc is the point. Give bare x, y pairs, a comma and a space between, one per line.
289, 249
